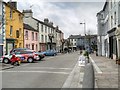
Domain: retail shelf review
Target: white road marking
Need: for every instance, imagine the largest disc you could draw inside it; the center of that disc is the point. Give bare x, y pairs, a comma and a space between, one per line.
35, 72
68, 81
50, 57
48, 68
95, 66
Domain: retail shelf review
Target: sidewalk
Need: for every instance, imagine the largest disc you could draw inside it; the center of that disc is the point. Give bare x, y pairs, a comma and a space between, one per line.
109, 76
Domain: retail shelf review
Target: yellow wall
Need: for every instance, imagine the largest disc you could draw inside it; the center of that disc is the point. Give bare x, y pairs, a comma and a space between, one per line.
17, 23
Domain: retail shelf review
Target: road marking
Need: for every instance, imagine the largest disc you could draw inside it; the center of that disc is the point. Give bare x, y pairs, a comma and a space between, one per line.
95, 66
50, 57
69, 79
48, 68
35, 72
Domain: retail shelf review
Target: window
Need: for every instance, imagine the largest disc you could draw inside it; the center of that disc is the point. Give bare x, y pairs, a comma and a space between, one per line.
11, 29
20, 45
42, 38
20, 17
111, 21
11, 13
32, 35
36, 37
115, 18
20, 31
17, 34
41, 28
26, 35
32, 46
45, 38
36, 47
48, 29
45, 29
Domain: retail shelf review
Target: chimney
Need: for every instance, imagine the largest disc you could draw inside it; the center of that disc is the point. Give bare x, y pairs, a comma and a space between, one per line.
46, 20
13, 4
28, 13
51, 23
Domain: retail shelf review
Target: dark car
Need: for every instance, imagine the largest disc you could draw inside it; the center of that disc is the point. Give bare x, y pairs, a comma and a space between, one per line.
41, 55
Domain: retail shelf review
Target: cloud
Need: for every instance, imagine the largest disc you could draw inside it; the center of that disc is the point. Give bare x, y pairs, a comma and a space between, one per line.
67, 15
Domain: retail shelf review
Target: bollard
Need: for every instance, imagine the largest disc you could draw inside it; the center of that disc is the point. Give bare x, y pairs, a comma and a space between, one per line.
89, 78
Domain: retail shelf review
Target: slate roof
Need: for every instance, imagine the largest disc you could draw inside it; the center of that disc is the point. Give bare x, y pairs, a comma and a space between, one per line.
28, 27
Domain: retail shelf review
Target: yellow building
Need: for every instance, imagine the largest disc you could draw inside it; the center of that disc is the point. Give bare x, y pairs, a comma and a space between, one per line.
14, 27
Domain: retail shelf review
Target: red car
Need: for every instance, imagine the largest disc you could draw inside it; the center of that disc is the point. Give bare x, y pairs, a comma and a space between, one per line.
27, 55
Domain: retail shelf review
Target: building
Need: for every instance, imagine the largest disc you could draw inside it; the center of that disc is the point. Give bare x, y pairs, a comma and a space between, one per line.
45, 28
59, 40
83, 42
117, 34
14, 27
30, 37
108, 21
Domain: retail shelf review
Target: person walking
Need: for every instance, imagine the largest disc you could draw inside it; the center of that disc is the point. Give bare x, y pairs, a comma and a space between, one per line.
81, 59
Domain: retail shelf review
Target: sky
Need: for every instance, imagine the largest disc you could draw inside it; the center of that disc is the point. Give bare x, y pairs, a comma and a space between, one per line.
67, 14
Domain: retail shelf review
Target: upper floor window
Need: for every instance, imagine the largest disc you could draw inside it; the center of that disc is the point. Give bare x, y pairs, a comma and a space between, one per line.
11, 13
42, 38
45, 38
20, 17
26, 35
17, 34
115, 17
32, 35
11, 29
41, 28
48, 29
45, 29
36, 36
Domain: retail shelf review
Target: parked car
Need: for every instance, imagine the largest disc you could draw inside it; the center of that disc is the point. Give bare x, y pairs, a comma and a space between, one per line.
25, 56
49, 53
19, 49
41, 55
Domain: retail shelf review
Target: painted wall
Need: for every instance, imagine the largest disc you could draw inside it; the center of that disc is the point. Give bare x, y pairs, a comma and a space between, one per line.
17, 23
28, 42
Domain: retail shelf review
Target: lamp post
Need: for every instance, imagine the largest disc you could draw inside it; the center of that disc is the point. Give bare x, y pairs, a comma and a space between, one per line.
84, 31
50, 37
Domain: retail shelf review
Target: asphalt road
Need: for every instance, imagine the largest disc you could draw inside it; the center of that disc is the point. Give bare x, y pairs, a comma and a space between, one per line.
51, 72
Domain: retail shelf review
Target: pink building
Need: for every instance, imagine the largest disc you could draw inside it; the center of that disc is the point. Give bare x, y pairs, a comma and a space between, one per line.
30, 37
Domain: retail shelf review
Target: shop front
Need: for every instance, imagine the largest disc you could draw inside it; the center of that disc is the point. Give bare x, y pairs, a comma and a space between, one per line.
117, 33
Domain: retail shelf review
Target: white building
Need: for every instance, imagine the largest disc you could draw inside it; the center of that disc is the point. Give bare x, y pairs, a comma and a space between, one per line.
108, 21
45, 28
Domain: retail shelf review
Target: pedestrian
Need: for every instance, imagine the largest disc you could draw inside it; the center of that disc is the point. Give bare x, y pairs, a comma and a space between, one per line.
81, 59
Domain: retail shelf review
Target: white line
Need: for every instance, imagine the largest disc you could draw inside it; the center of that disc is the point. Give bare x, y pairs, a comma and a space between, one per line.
48, 68
35, 72
95, 66
68, 81
50, 57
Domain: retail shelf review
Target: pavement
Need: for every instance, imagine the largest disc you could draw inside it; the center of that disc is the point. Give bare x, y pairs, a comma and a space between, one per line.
106, 73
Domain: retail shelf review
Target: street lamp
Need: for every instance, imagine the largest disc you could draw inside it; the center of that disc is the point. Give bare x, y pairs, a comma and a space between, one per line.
50, 37
84, 31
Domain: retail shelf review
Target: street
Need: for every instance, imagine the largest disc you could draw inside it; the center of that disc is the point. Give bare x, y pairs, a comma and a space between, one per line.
51, 72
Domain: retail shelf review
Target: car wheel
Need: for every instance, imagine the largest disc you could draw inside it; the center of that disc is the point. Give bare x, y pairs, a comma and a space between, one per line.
6, 61
30, 60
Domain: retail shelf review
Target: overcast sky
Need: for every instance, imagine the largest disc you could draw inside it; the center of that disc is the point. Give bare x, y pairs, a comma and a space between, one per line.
67, 14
